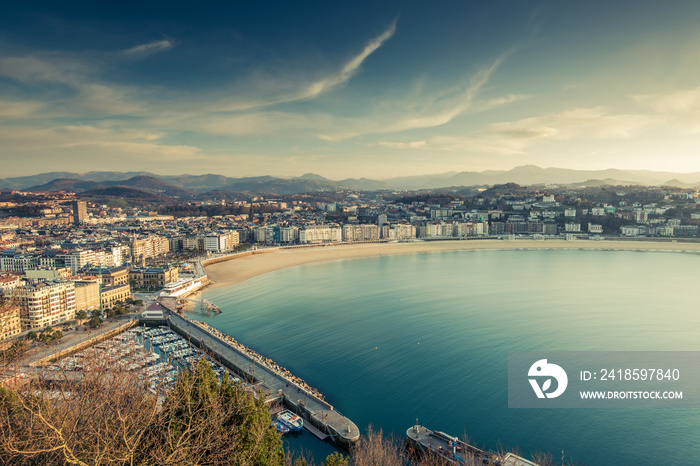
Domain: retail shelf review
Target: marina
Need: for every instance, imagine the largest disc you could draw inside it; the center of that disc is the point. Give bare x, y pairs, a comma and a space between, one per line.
154, 354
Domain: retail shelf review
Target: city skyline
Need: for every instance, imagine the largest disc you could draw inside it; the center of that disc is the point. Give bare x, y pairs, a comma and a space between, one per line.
348, 90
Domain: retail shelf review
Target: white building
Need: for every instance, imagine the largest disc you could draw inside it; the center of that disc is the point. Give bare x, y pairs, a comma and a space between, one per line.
594, 228
78, 258
364, 232
48, 303
320, 234
9, 260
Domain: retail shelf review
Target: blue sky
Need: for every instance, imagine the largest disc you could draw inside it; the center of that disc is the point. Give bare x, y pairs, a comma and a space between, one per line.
348, 89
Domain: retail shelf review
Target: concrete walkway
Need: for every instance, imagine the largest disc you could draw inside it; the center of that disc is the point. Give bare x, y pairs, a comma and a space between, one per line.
320, 413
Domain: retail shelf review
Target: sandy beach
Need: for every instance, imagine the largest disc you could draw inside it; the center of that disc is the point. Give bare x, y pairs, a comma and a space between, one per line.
264, 261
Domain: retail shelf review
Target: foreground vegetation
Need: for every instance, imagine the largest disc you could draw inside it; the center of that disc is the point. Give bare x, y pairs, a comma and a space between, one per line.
111, 418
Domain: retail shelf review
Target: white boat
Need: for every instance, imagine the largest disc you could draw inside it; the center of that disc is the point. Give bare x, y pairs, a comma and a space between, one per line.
291, 420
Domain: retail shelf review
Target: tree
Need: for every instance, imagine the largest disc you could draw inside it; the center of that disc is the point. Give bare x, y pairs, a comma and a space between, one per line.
336, 459
110, 419
81, 315
95, 322
203, 420
32, 335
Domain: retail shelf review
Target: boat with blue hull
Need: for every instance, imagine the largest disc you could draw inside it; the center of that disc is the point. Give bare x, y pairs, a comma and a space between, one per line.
292, 421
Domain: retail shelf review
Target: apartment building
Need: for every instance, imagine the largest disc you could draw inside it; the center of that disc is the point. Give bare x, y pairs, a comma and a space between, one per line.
46, 303
10, 324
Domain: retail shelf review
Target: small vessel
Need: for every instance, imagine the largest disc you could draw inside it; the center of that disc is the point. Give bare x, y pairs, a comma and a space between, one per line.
291, 420
281, 428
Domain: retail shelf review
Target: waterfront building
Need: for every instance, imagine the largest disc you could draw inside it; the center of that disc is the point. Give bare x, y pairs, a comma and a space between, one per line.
143, 277
594, 228
46, 303
320, 234
364, 232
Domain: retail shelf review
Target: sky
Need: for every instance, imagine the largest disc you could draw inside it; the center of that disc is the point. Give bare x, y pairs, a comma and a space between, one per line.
372, 89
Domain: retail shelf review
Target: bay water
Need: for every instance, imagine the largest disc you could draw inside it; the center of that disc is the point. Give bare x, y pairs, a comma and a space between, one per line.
426, 336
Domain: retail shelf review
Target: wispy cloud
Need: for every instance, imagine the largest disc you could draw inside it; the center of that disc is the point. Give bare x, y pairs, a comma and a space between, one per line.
679, 108
514, 137
427, 110
404, 145
269, 91
44, 67
591, 123
350, 68
144, 50
19, 110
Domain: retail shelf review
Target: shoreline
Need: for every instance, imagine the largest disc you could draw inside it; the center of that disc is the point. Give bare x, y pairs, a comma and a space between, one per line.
240, 269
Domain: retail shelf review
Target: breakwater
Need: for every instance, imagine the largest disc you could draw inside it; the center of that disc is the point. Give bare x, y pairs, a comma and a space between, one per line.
261, 360
271, 380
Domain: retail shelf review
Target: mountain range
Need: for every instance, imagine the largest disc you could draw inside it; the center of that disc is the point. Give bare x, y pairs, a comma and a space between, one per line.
184, 186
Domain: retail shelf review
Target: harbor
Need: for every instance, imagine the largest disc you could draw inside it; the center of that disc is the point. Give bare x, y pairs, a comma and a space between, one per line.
275, 383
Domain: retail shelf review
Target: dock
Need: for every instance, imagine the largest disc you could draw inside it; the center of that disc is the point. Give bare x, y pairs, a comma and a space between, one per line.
455, 451
315, 431
317, 413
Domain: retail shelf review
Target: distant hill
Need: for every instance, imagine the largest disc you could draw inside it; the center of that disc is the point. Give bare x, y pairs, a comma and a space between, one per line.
65, 184
126, 193
187, 185
268, 184
142, 182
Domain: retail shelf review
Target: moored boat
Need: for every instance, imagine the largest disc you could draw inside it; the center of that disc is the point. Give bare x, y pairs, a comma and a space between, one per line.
281, 428
291, 420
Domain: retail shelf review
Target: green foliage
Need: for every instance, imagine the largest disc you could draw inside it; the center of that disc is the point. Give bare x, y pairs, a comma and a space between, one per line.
81, 315
336, 459
95, 322
32, 335
236, 425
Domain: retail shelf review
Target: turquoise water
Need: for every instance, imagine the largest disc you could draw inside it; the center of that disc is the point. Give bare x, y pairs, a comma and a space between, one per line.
427, 336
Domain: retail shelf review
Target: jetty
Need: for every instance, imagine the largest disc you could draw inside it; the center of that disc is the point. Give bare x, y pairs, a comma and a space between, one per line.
455, 451
276, 385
